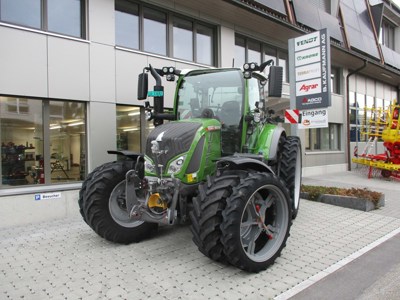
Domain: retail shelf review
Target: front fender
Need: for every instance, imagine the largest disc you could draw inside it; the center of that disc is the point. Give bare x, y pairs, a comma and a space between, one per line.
132, 155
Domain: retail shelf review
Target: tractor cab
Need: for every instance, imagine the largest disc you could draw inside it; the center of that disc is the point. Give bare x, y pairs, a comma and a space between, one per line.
215, 94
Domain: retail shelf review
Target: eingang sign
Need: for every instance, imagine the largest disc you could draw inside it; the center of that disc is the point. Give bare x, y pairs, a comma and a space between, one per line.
310, 70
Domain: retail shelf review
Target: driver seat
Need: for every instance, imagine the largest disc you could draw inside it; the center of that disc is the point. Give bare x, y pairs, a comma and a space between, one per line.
230, 113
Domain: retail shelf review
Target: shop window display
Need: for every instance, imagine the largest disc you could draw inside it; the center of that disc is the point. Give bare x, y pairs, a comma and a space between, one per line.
128, 128
31, 155
67, 141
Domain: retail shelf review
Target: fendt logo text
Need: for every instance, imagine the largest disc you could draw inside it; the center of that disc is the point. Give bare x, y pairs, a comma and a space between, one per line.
306, 41
307, 87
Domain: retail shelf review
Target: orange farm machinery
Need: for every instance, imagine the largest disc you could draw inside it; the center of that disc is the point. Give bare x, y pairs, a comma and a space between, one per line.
389, 161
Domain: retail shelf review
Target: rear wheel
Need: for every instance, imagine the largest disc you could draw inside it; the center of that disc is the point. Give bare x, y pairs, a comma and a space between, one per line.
290, 170
104, 204
256, 222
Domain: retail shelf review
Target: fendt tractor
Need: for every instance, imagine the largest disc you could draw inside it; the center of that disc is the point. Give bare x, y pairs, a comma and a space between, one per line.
219, 161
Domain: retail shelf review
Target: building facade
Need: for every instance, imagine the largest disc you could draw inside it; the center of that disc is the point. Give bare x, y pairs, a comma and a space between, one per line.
69, 70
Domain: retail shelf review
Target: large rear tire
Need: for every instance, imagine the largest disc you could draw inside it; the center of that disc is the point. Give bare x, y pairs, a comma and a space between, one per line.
206, 216
290, 170
256, 222
104, 206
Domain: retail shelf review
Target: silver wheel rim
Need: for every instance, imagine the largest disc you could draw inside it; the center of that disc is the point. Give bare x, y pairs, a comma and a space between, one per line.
264, 223
116, 207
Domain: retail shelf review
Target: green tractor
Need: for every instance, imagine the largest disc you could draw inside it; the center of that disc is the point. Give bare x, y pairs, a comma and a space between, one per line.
220, 161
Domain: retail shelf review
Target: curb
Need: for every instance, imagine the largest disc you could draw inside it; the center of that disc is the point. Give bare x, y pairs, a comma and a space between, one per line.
347, 201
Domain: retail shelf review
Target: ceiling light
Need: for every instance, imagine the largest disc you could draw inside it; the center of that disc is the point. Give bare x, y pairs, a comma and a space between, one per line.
76, 124
130, 129
387, 75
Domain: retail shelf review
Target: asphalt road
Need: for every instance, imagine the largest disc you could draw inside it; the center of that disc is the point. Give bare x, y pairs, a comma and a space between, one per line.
374, 275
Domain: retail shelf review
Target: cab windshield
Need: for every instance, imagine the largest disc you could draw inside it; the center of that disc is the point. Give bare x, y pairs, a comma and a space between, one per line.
215, 94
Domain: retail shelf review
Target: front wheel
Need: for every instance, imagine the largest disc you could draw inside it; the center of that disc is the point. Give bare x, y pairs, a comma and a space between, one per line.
256, 222
104, 205
206, 216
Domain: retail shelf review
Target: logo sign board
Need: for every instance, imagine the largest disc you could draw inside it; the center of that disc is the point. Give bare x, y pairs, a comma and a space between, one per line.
155, 93
310, 70
313, 118
47, 196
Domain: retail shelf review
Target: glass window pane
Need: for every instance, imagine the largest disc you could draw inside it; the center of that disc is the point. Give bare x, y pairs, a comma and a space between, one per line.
240, 52
307, 139
283, 62
204, 45
324, 138
370, 102
254, 52
155, 31
128, 128
67, 141
23, 12
65, 16
334, 137
254, 93
21, 135
269, 53
126, 24
183, 39
335, 80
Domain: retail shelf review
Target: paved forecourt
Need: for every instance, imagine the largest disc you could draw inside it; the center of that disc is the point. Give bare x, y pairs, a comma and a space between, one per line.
65, 259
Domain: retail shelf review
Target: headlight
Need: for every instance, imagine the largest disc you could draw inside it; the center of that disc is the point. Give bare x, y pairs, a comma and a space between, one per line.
176, 165
149, 166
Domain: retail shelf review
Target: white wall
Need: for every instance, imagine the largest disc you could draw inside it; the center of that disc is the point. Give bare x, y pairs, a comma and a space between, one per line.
23, 61
24, 209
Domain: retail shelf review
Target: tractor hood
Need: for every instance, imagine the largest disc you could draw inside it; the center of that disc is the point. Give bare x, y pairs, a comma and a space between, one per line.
187, 146
173, 138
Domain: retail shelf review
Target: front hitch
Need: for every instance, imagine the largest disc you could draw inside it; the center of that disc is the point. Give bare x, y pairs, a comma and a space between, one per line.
132, 181
139, 211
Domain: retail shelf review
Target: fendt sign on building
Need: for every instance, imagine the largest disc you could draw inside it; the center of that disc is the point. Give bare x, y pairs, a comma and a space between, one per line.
310, 70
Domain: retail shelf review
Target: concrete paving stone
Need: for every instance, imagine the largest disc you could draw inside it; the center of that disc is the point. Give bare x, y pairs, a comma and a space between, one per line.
291, 280
116, 292
231, 294
67, 251
96, 297
264, 293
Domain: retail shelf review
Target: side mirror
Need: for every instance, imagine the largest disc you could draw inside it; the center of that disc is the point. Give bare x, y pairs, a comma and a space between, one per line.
142, 86
275, 79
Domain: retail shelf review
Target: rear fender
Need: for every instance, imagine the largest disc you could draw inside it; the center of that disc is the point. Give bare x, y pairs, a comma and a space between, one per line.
248, 162
268, 141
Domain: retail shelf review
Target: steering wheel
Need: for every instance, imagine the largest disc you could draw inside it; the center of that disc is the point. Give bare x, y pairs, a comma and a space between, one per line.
207, 113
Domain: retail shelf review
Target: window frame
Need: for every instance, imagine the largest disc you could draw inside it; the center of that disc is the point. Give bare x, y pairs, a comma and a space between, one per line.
387, 36
169, 42
316, 133
44, 26
45, 148
280, 54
